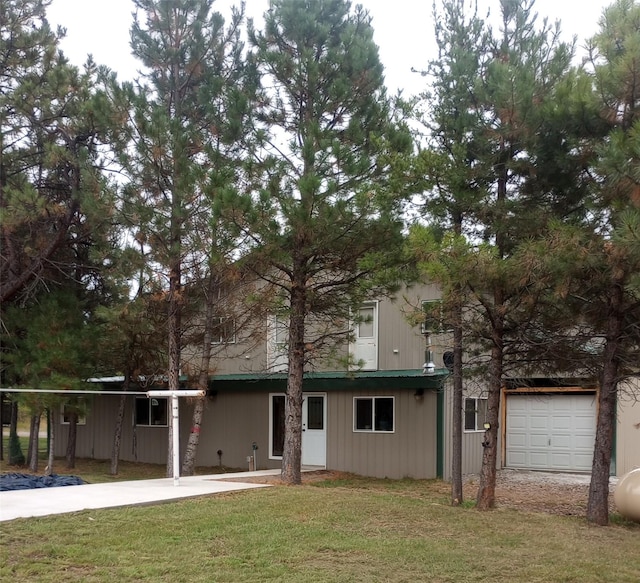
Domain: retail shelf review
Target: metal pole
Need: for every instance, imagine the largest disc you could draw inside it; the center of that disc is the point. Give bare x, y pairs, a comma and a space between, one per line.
175, 424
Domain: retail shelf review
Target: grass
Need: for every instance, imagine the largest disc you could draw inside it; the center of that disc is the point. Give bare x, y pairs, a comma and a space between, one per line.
96, 471
353, 529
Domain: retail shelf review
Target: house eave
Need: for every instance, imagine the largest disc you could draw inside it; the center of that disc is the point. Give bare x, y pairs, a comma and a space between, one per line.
410, 379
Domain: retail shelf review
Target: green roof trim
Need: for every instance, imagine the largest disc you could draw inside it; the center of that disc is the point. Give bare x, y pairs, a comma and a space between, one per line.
410, 379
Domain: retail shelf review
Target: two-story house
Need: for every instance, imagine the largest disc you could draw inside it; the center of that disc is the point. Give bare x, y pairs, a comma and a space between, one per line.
389, 416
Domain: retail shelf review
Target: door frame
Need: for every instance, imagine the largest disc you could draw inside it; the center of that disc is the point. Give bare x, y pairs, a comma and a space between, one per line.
324, 430
320, 434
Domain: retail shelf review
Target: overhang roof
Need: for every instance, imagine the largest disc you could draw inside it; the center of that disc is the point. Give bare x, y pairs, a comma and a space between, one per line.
332, 380
410, 379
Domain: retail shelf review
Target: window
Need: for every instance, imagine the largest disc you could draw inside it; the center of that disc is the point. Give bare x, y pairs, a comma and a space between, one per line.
151, 412
65, 415
434, 318
315, 413
373, 414
277, 426
224, 331
366, 324
475, 414
282, 330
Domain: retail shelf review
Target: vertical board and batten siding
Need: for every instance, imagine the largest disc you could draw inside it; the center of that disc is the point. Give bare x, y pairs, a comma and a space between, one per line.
233, 421
95, 439
628, 428
408, 452
401, 346
471, 440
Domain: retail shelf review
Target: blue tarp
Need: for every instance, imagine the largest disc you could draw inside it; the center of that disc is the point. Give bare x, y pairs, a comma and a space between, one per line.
29, 481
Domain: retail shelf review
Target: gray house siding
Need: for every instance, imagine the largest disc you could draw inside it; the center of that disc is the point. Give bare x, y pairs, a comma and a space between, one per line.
234, 420
628, 428
410, 451
471, 441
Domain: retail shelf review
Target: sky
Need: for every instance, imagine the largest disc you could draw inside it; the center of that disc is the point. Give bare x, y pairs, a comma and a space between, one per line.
403, 30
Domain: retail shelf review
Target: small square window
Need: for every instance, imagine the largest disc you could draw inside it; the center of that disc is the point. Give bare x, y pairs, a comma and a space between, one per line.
66, 411
224, 331
375, 414
150, 412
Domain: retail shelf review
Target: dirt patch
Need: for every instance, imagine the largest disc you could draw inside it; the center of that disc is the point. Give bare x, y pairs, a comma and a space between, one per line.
552, 497
307, 478
560, 494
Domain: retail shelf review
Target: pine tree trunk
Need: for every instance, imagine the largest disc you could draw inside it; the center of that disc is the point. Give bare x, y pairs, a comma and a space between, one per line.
51, 426
33, 443
598, 501
71, 441
190, 454
292, 452
486, 497
117, 430
189, 462
456, 421
15, 457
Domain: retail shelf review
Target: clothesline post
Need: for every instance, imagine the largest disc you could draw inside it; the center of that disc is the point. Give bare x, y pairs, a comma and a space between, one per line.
175, 423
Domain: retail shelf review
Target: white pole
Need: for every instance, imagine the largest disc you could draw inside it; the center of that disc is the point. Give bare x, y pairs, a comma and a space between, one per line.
175, 424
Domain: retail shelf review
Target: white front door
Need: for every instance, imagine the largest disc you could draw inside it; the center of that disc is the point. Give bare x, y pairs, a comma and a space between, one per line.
314, 430
364, 349
550, 432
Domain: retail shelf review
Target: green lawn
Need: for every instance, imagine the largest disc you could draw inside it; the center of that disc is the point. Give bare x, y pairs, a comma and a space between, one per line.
354, 530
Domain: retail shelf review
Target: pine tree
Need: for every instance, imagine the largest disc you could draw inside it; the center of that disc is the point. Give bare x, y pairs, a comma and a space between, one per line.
456, 186
504, 169
50, 346
55, 203
613, 306
181, 140
320, 222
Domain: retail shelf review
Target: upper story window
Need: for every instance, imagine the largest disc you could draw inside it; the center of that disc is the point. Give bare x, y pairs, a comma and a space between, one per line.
281, 330
475, 414
434, 318
223, 331
150, 412
374, 414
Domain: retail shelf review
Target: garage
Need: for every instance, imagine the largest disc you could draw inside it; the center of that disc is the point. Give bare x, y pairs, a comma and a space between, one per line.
550, 431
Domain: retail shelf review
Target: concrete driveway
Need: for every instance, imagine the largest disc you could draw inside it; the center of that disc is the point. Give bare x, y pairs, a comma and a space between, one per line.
60, 500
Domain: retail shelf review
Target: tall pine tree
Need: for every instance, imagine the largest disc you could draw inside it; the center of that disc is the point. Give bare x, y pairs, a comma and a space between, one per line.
187, 110
321, 224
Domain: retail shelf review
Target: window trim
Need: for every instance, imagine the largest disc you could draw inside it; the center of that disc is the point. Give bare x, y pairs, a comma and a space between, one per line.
373, 414
479, 425
82, 418
149, 400
280, 331
271, 425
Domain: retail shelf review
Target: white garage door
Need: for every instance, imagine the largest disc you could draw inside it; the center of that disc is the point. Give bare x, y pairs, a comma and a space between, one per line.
550, 432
